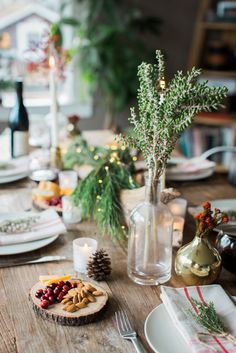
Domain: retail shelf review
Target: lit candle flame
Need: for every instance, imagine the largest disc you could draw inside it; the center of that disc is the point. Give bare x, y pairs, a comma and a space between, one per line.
52, 62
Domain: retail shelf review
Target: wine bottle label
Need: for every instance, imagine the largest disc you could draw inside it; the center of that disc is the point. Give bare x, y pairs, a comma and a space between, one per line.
21, 143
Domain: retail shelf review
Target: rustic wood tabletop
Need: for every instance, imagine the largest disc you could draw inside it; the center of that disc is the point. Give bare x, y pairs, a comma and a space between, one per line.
21, 331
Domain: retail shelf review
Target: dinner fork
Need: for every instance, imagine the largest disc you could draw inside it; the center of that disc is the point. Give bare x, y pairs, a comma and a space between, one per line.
127, 331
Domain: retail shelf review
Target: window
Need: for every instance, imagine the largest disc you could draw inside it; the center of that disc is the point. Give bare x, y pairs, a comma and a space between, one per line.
22, 25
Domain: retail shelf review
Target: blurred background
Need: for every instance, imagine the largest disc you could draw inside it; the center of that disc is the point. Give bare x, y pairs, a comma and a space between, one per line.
107, 40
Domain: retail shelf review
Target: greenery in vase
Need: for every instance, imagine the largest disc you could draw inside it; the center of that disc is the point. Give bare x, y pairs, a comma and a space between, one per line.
110, 45
207, 220
164, 112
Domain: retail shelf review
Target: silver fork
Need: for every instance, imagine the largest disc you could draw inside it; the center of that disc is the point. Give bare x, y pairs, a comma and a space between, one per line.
127, 331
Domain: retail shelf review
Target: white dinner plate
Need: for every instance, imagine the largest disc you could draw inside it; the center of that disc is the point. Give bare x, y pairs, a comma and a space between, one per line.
26, 247
205, 173
10, 179
162, 335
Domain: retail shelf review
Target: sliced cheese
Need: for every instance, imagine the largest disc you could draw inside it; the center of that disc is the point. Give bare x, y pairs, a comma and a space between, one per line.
47, 280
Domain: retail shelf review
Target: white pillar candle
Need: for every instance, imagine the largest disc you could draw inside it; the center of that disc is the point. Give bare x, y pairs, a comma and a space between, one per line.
178, 207
53, 110
68, 179
83, 248
71, 213
178, 227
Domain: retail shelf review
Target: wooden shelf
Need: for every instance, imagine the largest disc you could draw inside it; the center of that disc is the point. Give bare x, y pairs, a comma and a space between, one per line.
219, 74
224, 26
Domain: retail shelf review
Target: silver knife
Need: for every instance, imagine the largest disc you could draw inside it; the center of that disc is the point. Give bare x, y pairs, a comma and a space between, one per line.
34, 261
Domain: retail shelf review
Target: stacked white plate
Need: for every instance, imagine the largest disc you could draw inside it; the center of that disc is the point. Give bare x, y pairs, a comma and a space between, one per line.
14, 169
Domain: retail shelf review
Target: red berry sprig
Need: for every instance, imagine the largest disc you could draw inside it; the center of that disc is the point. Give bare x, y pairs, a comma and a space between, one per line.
207, 219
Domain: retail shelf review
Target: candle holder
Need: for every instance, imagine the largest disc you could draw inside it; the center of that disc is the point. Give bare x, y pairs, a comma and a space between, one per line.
178, 207
71, 214
55, 158
178, 227
68, 181
83, 248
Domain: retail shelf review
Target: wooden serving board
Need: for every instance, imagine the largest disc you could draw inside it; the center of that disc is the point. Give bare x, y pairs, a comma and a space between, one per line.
81, 317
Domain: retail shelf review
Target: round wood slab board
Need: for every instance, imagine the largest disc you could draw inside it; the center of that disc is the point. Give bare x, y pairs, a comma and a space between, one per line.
81, 317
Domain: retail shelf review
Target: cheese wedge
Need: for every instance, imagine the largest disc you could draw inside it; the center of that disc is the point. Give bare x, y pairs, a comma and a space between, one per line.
47, 280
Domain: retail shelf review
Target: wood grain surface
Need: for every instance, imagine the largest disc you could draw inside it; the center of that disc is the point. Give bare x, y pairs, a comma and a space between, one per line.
22, 331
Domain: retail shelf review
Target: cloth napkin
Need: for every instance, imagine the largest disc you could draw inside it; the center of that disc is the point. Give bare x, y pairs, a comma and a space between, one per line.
48, 225
178, 301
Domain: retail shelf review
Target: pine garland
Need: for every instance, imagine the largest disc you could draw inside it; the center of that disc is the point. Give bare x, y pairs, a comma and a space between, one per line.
99, 192
164, 114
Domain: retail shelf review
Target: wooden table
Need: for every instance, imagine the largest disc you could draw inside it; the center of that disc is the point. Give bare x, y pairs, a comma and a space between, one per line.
21, 331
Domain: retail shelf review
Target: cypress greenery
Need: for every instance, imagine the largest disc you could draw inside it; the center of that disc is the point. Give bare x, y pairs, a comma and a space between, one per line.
165, 112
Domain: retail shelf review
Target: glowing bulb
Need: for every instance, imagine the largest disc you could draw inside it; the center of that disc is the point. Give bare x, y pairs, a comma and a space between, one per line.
134, 158
96, 157
100, 181
78, 150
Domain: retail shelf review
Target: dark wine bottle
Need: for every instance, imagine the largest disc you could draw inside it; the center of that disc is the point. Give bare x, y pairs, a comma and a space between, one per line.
19, 125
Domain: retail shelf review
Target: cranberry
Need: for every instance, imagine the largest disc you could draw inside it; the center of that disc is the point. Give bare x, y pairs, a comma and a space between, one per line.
39, 293
53, 286
57, 290
73, 285
44, 297
65, 288
67, 283
49, 291
60, 296
44, 291
54, 201
60, 284
52, 298
44, 304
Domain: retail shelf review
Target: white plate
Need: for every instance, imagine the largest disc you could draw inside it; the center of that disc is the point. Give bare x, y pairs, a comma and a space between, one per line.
206, 173
16, 166
12, 178
26, 247
162, 335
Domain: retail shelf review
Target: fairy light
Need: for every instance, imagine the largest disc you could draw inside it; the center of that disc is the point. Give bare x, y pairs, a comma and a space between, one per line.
78, 150
112, 160
123, 148
106, 168
91, 148
99, 209
134, 158
113, 147
118, 162
98, 197
100, 181
96, 157
123, 227
162, 86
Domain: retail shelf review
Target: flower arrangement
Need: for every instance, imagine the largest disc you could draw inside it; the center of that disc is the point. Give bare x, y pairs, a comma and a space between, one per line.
207, 219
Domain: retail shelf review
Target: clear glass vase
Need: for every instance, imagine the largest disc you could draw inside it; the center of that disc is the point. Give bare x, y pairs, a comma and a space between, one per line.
150, 239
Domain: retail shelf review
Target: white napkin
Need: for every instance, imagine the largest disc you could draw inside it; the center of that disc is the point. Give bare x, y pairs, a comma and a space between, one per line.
48, 225
177, 302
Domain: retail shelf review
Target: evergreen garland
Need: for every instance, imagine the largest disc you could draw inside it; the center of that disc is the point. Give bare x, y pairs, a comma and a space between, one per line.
98, 193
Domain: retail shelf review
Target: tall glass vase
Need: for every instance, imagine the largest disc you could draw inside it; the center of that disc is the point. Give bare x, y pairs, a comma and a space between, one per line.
150, 239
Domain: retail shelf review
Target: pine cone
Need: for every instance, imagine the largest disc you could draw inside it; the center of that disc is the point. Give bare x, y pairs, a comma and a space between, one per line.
99, 265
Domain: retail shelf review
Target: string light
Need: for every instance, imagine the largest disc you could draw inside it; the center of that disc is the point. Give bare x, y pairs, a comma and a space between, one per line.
96, 157
100, 181
123, 227
118, 162
135, 158
113, 147
112, 160
123, 148
106, 168
99, 209
91, 148
98, 197
78, 150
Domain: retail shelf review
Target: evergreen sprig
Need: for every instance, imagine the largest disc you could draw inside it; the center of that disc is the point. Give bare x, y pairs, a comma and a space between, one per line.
163, 116
207, 317
99, 192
